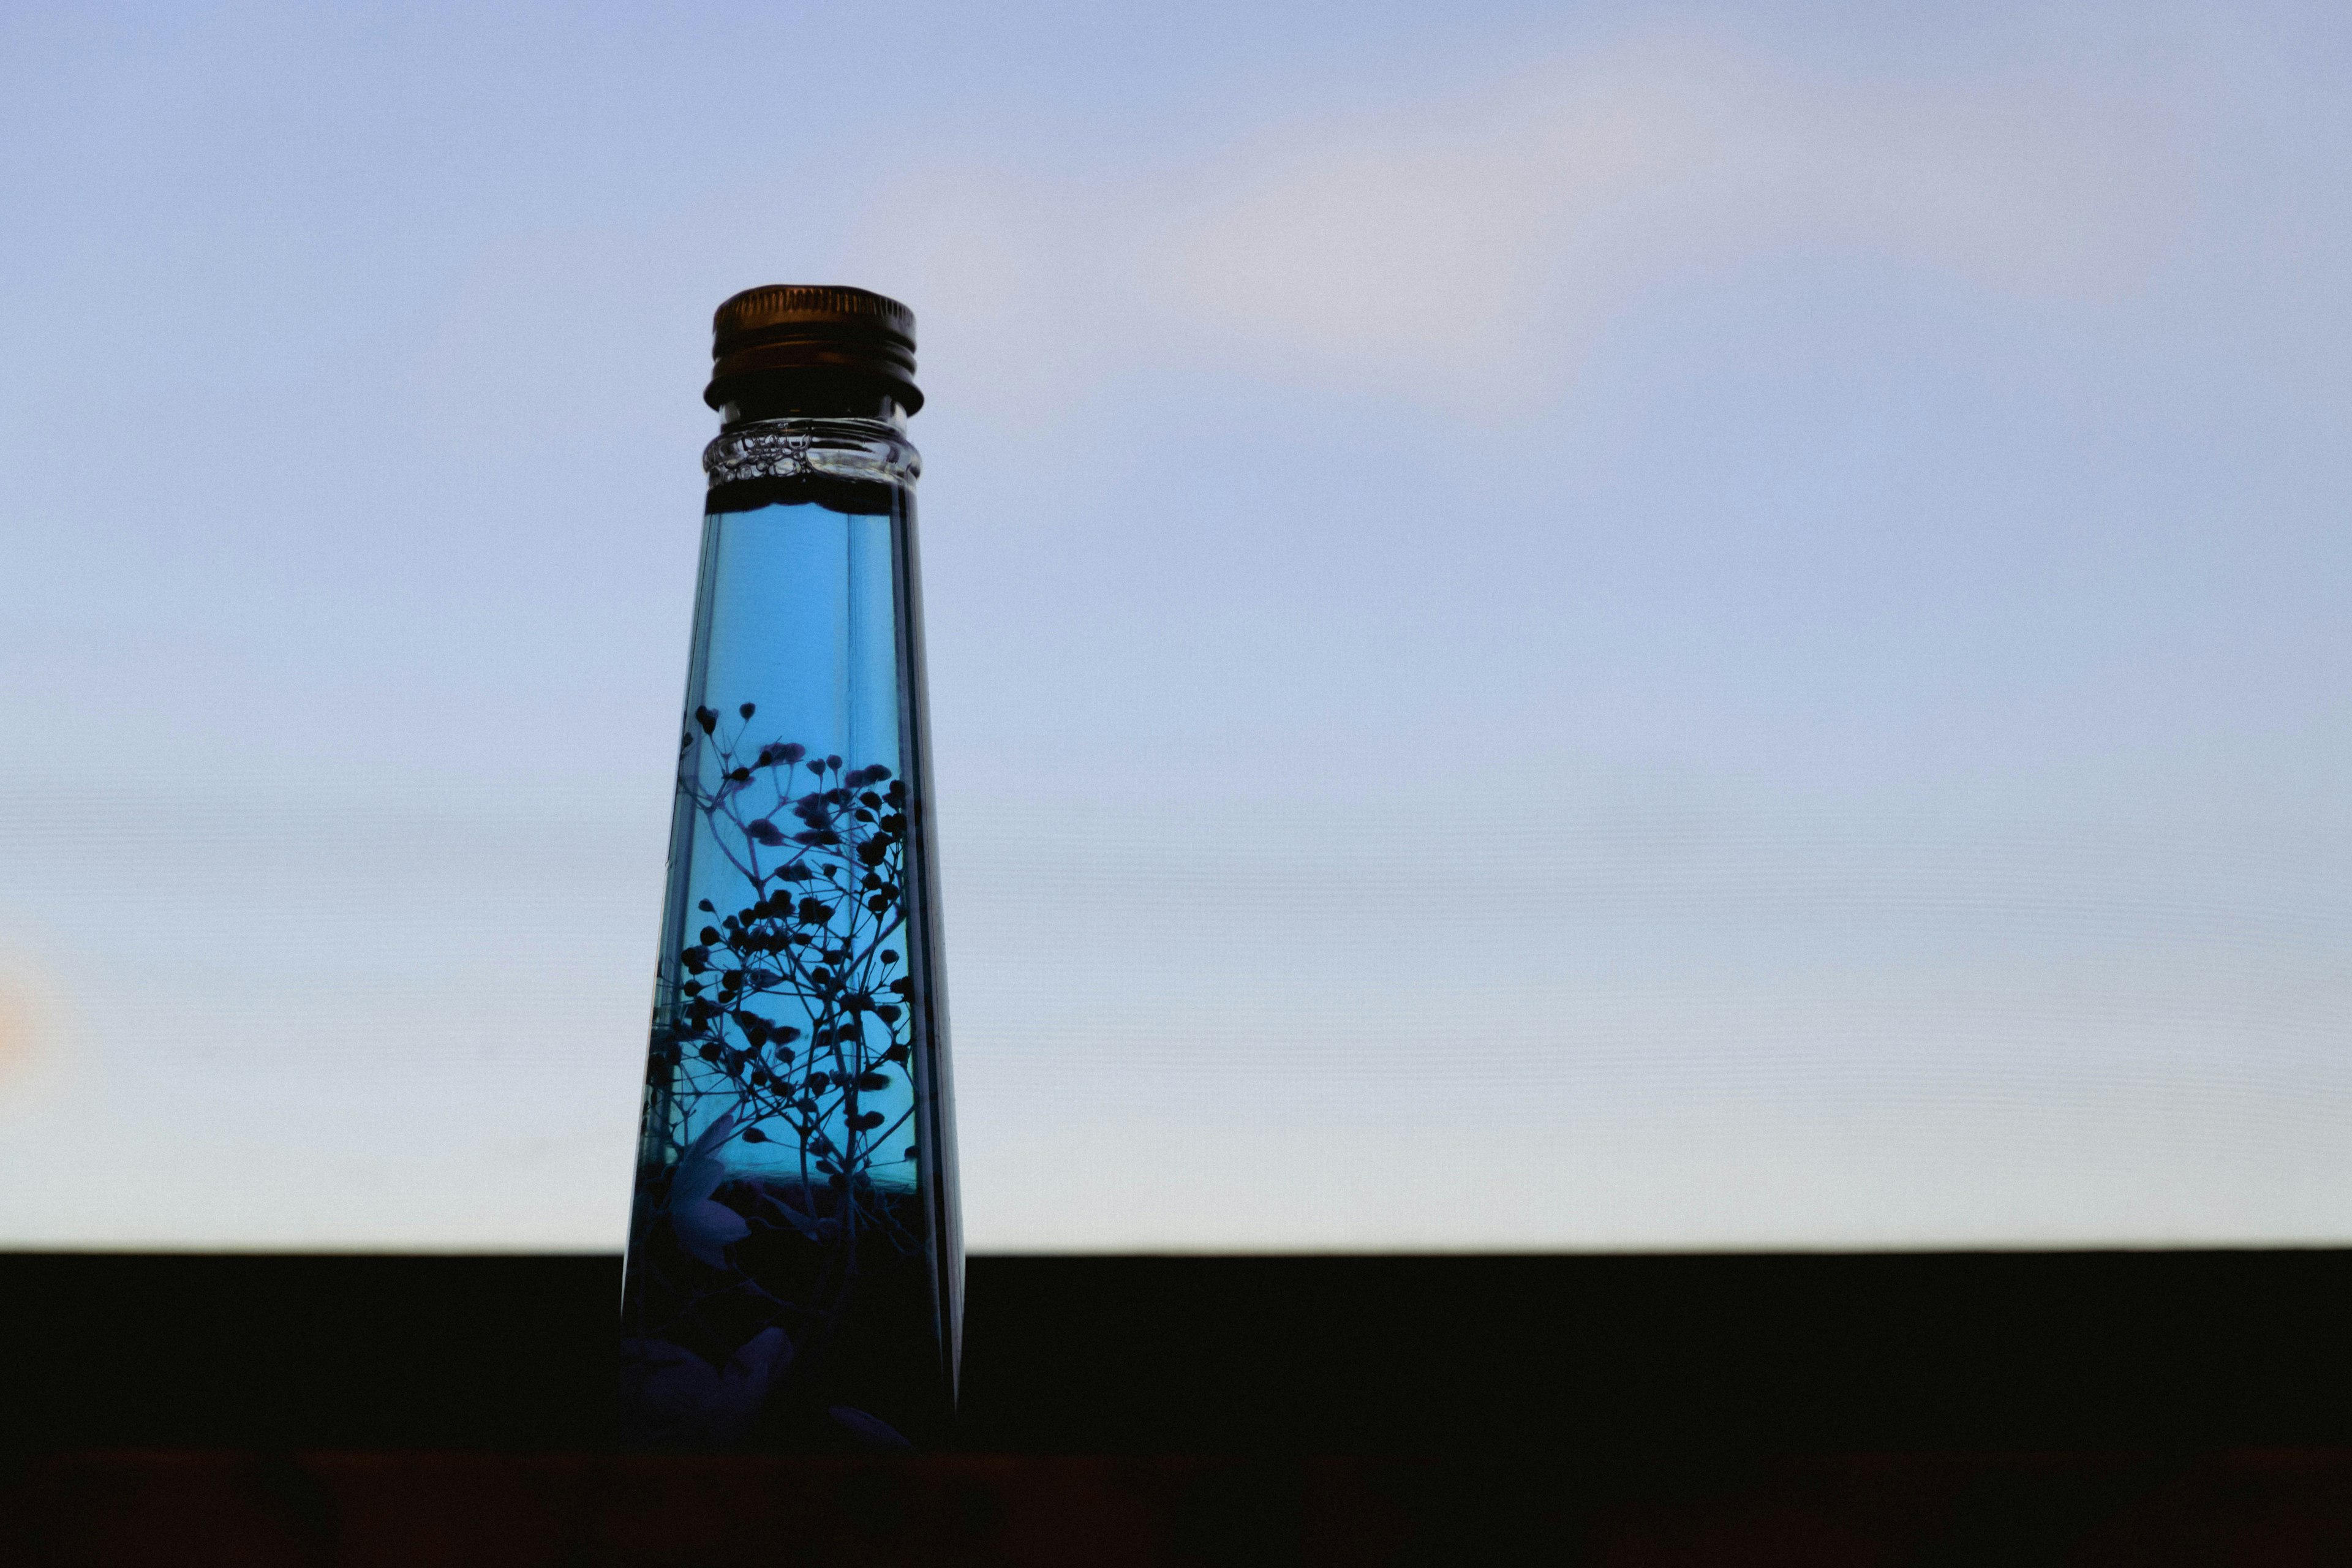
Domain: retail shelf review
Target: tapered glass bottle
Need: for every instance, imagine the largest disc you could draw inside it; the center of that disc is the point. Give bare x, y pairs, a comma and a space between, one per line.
794, 1273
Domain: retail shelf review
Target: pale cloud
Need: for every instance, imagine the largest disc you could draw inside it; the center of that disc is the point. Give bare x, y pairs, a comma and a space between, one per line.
1471, 247
1466, 249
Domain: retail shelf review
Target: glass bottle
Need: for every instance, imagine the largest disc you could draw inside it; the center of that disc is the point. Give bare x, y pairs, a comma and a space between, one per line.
794, 1273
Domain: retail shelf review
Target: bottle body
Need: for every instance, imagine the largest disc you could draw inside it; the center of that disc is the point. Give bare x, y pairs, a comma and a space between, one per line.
795, 1269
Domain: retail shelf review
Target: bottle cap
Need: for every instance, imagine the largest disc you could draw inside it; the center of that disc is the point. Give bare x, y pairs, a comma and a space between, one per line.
823, 334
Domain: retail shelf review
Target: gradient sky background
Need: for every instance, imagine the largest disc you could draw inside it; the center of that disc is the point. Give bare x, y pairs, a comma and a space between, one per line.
1628, 626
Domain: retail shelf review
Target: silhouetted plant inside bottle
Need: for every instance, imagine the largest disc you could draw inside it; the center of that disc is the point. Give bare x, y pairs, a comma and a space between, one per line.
795, 1264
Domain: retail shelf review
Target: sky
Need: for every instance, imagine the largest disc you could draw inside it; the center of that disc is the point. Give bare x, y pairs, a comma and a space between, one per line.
1639, 627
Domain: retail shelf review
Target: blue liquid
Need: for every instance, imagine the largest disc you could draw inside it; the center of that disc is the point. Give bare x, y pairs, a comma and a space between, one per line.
793, 1267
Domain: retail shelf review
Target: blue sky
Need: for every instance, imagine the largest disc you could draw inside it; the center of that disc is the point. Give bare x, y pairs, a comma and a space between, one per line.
1739, 615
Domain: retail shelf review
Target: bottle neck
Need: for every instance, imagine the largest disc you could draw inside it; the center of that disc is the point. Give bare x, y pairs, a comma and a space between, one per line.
852, 465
